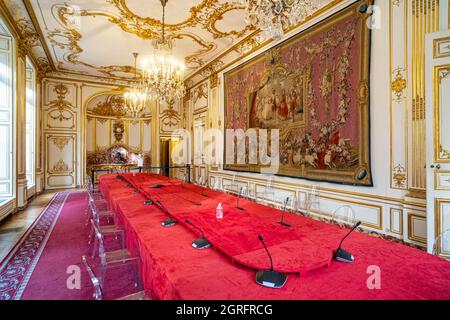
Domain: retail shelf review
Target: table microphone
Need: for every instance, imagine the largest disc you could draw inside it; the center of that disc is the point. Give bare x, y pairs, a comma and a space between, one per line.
270, 278
168, 222
282, 214
149, 199
200, 243
119, 176
343, 255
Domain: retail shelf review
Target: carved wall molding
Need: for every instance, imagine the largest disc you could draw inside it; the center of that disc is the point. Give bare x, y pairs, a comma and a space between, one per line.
170, 117
60, 167
61, 104
61, 142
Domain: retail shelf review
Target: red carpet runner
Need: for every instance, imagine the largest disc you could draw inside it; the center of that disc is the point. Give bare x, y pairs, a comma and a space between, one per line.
18, 266
37, 266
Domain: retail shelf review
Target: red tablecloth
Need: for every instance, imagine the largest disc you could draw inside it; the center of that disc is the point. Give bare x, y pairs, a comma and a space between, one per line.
236, 236
172, 269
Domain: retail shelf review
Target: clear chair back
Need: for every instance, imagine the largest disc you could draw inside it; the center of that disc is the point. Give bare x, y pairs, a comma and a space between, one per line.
301, 204
216, 185
201, 181
94, 212
99, 243
89, 184
344, 215
314, 197
98, 291
233, 186
442, 244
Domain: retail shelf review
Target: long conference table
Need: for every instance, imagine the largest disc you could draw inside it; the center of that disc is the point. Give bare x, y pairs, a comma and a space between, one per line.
172, 269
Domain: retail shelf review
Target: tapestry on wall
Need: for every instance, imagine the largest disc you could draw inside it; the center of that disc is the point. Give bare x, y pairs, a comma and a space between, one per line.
313, 88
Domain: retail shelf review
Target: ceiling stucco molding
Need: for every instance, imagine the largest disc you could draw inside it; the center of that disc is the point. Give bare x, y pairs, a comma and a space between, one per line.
209, 28
29, 42
252, 43
208, 44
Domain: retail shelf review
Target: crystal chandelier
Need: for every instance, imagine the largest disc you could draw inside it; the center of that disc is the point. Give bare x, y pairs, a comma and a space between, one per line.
273, 16
163, 74
135, 97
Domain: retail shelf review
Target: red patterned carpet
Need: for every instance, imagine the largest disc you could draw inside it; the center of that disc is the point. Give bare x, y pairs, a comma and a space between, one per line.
37, 266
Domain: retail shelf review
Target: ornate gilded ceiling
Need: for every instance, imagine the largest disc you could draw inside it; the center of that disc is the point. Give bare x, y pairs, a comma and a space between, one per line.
96, 37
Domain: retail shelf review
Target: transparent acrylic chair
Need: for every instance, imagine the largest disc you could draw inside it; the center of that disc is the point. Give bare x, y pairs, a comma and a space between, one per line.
344, 216
201, 181
96, 196
98, 285
104, 230
90, 185
186, 176
93, 208
442, 243
250, 192
313, 198
301, 204
232, 187
216, 185
111, 259
268, 193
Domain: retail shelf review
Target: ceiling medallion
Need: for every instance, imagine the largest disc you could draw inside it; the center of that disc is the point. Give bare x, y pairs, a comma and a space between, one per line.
163, 74
135, 97
273, 16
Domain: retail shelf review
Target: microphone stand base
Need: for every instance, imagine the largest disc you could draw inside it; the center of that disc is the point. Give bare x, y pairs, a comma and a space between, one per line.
343, 256
201, 244
284, 224
271, 279
242, 209
168, 223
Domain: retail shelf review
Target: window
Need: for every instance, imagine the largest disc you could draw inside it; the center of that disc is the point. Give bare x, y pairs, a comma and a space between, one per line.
30, 131
6, 114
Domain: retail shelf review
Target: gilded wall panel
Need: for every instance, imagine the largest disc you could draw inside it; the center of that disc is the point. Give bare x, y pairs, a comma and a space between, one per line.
417, 227
424, 19
60, 150
442, 114
398, 46
442, 208
170, 117
60, 106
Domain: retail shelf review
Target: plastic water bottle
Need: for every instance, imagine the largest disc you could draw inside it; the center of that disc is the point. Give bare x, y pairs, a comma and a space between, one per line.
219, 211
